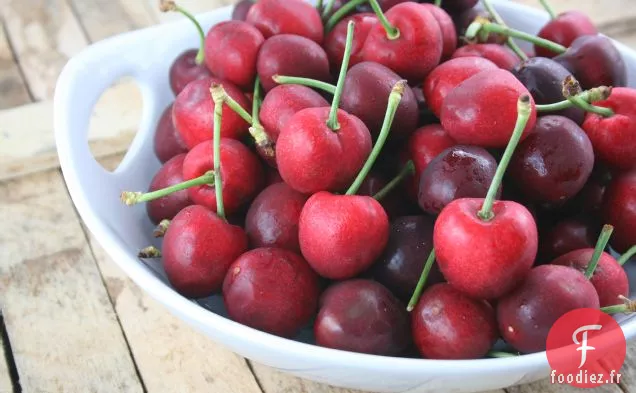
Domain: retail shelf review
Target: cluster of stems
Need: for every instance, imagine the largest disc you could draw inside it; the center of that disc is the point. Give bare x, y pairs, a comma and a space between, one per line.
171, 6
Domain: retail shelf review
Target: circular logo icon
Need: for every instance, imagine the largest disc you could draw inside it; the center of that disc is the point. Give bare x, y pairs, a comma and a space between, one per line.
586, 349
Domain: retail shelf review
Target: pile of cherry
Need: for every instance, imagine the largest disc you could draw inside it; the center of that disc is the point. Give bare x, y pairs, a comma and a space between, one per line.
397, 174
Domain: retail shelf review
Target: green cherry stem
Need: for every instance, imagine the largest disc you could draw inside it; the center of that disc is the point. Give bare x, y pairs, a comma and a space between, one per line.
600, 93
392, 32
229, 101
342, 12
149, 252
332, 122
627, 256
394, 101
421, 282
438, 3
571, 91
319, 5
327, 9
524, 109
169, 5
218, 96
509, 41
408, 170
482, 25
160, 230
313, 83
601, 243
132, 198
628, 307
548, 7
501, 354
256, 102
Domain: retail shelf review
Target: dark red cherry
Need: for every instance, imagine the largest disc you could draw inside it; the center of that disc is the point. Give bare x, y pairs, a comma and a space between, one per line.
400, 266
272, 219
167, 207
568, 235
464, 18
449, 34
554, 162
362, 316
185, 69
272, 290
501, 55
460, 171
273, 17
291, 55
564, 29
335, 41
619, 210
241, 9
447, 324
167, 142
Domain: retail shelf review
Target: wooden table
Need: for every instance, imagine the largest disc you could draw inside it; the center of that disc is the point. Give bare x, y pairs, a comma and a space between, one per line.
71, 321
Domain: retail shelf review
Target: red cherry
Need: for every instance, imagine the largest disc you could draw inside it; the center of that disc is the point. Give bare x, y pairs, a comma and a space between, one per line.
198, 248
416, 50
312, 157
342, 235
167, 207
567, 235
609, 279
501, 55
482, 110
564, 29
273, 17
291, 55
447, 324
185, 69
619, 210
423, 146
241, 9
231, 49
362, 316
448, 75
193, 112
272, 290
272, 219
526, 315
447, 27
167, 142
284, 101
241, 172
335, 41
614, 137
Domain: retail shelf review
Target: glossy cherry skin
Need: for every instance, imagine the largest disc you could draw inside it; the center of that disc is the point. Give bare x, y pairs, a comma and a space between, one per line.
185, 69
609, 279
336, 39
342, 235
619, 210
564, 29
291, 55
614, 137
198, 249
526, 315
501, 55
362, 316
447, 324
458, 172
231, 49
423, 146
482, 110
306, 142
272, 219
400, 266
167, 207
393, 203
594, 61
485, 259
544, 79
448, 75
284, 101
241, 171
447, 27
193, 113
366, 93
167, 142
241, 9
274, 17
568, 235
272, 290
554, 162
416, 51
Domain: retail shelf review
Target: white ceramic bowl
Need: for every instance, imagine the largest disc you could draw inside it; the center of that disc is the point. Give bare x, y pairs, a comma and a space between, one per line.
146, 56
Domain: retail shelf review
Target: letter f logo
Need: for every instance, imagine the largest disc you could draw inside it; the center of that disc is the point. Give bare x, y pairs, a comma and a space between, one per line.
584, 347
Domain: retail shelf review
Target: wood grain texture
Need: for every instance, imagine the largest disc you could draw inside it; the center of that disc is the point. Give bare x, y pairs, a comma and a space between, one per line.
12, 89
194, 6
104, 18
63, 330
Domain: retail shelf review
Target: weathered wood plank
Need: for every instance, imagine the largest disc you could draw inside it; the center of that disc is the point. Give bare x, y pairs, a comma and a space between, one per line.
44, 35
194, 6
104, 18
63, 330
12, 89
6, 384
545, 386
